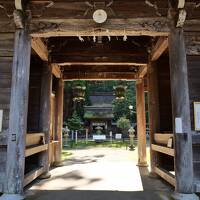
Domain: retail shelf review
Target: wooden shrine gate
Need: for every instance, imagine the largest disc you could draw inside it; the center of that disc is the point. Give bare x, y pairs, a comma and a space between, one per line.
155, 44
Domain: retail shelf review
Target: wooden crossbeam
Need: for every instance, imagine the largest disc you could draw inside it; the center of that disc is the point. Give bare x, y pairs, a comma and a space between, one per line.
142, 71
86, 27
56, 71
40, 48
100, 76
159, 48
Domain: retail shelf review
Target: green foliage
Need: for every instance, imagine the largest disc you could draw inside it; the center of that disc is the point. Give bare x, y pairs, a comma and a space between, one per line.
120, 107
74, 123
123, 123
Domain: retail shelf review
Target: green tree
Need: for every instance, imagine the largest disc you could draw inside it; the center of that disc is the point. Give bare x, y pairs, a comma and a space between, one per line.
124, 124
74, 123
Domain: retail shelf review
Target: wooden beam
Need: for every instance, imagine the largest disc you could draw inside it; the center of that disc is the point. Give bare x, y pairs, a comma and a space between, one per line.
56, 70
18, 113
141, 123
30, 151
163, 149
40, 48
32, 175
142, 71
101, 63
87, 27
162, 138
167, 176
99, 59
192, 42
100, 76
159, 48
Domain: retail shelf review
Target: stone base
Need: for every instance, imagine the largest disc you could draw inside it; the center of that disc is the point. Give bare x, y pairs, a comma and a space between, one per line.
11, 197
45, 175
180, 196
142, 164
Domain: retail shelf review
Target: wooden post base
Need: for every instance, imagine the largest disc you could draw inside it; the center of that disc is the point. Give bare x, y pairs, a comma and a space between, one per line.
58, 164
143, 164
181, 196
11, 197
45, 175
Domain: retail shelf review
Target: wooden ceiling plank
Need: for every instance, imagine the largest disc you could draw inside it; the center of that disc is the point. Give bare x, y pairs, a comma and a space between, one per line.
159, 48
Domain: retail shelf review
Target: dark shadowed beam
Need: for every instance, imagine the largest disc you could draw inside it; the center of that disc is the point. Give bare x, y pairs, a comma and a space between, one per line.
101, 68
104, 60
100, 76
98, 55
159, 48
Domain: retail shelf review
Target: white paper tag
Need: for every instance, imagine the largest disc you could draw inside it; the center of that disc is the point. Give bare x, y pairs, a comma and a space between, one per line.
1, 119
178, 125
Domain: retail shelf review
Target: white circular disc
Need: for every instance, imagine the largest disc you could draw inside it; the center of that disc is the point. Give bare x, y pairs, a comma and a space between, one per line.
100, 16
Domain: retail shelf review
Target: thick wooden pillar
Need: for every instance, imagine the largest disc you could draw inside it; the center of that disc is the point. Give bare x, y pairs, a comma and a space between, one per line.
59, 121
18, 114
141, 123
181, 114
45, 116
153, 105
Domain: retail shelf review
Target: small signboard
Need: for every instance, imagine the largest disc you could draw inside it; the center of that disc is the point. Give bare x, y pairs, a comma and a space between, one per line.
99, 137
197, 116
1, 120
118, 136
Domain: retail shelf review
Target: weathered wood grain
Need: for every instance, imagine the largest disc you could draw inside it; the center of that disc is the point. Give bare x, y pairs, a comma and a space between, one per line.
45, 112
87, 27
181, 109
18, 113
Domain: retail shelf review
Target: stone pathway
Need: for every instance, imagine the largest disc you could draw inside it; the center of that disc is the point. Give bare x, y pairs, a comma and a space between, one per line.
100, 174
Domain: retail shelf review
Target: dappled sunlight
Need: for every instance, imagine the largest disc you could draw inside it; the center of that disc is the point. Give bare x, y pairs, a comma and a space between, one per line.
103, 169
100, 172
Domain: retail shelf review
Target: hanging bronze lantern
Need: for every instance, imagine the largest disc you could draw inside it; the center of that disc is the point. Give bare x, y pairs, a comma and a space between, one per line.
79, 93
120, 91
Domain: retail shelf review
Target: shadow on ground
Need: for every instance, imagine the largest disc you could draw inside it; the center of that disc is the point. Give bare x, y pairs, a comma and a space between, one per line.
154, 189
98, 195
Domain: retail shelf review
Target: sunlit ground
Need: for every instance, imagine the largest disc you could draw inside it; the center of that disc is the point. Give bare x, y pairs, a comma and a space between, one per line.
99, 169
96, 169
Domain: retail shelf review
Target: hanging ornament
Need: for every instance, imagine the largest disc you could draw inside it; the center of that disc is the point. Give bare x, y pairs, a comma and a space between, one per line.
79, 93
120, 91
100, 16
